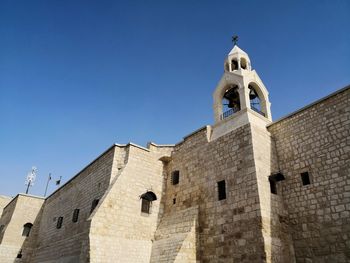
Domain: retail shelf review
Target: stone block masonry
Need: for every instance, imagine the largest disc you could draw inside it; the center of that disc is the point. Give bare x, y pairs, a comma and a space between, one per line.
22, 209
229, 230
316, 140
66, 243
118, 226
243, 190
4, 200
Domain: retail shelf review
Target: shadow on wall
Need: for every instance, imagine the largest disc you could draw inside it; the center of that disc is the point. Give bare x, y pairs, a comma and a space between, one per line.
176, 238
25, 253
281, 244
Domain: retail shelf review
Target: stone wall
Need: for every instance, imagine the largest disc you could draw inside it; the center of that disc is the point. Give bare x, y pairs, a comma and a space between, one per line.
4, 200
66, 243
187, 222
317, 140
229, 230
275, 230
118, 227
21, 210
176, 239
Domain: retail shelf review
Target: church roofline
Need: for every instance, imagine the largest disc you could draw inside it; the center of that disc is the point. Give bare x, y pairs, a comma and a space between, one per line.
22, 194
160, 145
85, 167
191, 134
131, 144
103, 153
309, 106
29, 195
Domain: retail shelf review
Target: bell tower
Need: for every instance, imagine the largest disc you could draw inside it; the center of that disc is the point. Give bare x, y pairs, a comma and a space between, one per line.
240, 96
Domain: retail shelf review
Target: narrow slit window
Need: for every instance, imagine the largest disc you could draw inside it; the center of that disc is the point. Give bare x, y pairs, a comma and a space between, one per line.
174, 201
19, 255
59, 222
75, 215
26, 229
145, 206
273, 186
305, 178
146, 201
93, 205
222, 190
234, 64
273, 180
175, 177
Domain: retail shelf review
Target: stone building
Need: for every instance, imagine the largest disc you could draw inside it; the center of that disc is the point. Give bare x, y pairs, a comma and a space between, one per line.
4, 200
244, 189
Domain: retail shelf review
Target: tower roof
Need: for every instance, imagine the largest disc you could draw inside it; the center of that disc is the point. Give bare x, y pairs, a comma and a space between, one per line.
236, 50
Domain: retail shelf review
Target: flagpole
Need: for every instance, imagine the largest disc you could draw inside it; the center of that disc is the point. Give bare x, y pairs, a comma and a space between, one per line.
47, 184
28, 185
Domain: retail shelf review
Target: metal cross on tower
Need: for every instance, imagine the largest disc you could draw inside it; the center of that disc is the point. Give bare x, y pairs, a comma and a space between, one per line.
235, 40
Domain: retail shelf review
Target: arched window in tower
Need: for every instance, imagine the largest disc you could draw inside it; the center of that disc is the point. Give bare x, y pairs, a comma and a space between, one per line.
230, 101
226, 68
255, 102
234, 65
26, 229
147, 199
243, 63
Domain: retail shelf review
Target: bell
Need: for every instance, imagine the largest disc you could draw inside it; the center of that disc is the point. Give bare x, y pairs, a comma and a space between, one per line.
252, 94
231, 104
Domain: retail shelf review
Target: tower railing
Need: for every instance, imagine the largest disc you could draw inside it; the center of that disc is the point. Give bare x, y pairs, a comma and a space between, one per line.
257, 110
228, 113
232, 111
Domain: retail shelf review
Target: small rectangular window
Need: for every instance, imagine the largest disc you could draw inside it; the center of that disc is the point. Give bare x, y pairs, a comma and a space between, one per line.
175, 177
305, 178
59, 222
75, 215
26, 229
174, 201
145, 206
222, 190
273, 186
19, 255
94, 204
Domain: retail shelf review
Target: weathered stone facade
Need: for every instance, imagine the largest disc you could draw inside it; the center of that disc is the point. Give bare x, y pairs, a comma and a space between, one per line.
4, 200
242, 190
21, 210
317, 140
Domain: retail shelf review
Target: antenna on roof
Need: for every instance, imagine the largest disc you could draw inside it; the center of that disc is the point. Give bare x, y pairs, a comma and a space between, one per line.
30, 178
47, 184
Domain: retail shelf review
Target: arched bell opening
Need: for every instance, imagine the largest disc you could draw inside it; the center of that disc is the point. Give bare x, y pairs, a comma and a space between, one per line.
256, 102
244, 64
227, 67
234, 64
230, 101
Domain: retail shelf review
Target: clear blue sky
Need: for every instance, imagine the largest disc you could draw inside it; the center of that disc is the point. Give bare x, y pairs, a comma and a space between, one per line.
78, 76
